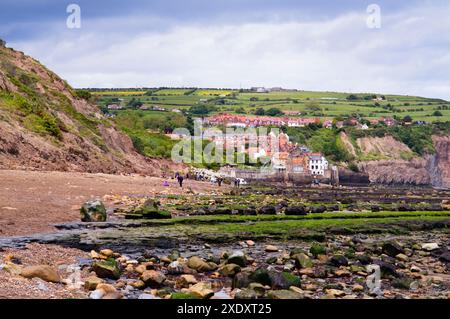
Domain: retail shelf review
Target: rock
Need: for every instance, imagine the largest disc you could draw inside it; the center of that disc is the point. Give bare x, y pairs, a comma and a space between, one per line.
318, 210
392, 249
364, 259
284, 294
202, 290
387, 269
174, 255
246, 294
261, 276
97, 294
375, 208
302, 261
186, 280
43, 272
402, 257
271, 249
106, 288
257, 288
175, 268
271, 260
250, 243
221, 295
317, 249
358, 288
153, 278
416, 269
138, 284
93, 211
92, 282
140, 269
241, 280
237, 258
335, 292
147, 297
267, 210
200, 265
339, 260
106, 252
430, 246
113, 295
229, 270
296, 210
107, 269
283, 280
402, 283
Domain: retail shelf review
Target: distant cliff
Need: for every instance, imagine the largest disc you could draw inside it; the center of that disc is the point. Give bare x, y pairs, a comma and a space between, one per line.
393, 165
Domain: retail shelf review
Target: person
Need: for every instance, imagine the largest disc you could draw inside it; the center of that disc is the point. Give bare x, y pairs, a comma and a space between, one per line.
219, 181
180, 180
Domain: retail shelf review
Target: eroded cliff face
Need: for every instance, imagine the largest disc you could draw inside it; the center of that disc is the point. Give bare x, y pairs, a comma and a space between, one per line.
430, 170
32, 98
439, 164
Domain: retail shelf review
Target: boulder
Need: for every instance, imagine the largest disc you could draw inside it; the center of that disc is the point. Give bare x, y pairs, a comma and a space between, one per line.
271, 249
296, 210
392, 249
200, 265
43, 272
302, 261
430, 246
92, 282
153, 278
107, 268
238, 258
246, 293
283, 280
267, 210
186, 280
261, 276
339, 260
202, 290
241, 280
93, 211
229, 270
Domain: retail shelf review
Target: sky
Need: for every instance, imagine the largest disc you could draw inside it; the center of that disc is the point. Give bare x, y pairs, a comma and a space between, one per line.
308, 45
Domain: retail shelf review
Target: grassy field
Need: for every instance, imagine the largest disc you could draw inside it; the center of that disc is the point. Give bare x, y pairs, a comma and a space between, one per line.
326, 105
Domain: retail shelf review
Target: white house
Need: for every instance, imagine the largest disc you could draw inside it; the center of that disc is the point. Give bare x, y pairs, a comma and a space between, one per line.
318, 164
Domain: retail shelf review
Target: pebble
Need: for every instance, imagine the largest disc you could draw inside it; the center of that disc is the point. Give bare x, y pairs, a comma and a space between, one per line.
430, 246
271, 249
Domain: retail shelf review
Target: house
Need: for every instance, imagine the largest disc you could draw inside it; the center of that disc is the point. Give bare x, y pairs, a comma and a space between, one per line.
317, 164
114, 107
362, 126
259, 90
328, 124
176, 111
389, 121
297, 161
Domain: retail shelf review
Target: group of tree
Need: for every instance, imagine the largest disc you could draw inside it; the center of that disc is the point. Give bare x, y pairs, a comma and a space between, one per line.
269, 112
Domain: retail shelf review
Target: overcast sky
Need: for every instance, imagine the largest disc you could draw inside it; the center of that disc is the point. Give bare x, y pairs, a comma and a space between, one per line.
311, 45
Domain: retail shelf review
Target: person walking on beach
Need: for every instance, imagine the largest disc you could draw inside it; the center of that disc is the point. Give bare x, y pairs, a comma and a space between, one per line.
180, 180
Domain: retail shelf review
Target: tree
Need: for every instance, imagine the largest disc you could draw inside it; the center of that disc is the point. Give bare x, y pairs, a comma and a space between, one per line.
260, 111
437, 113
352, 97
274, 112
407, 119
